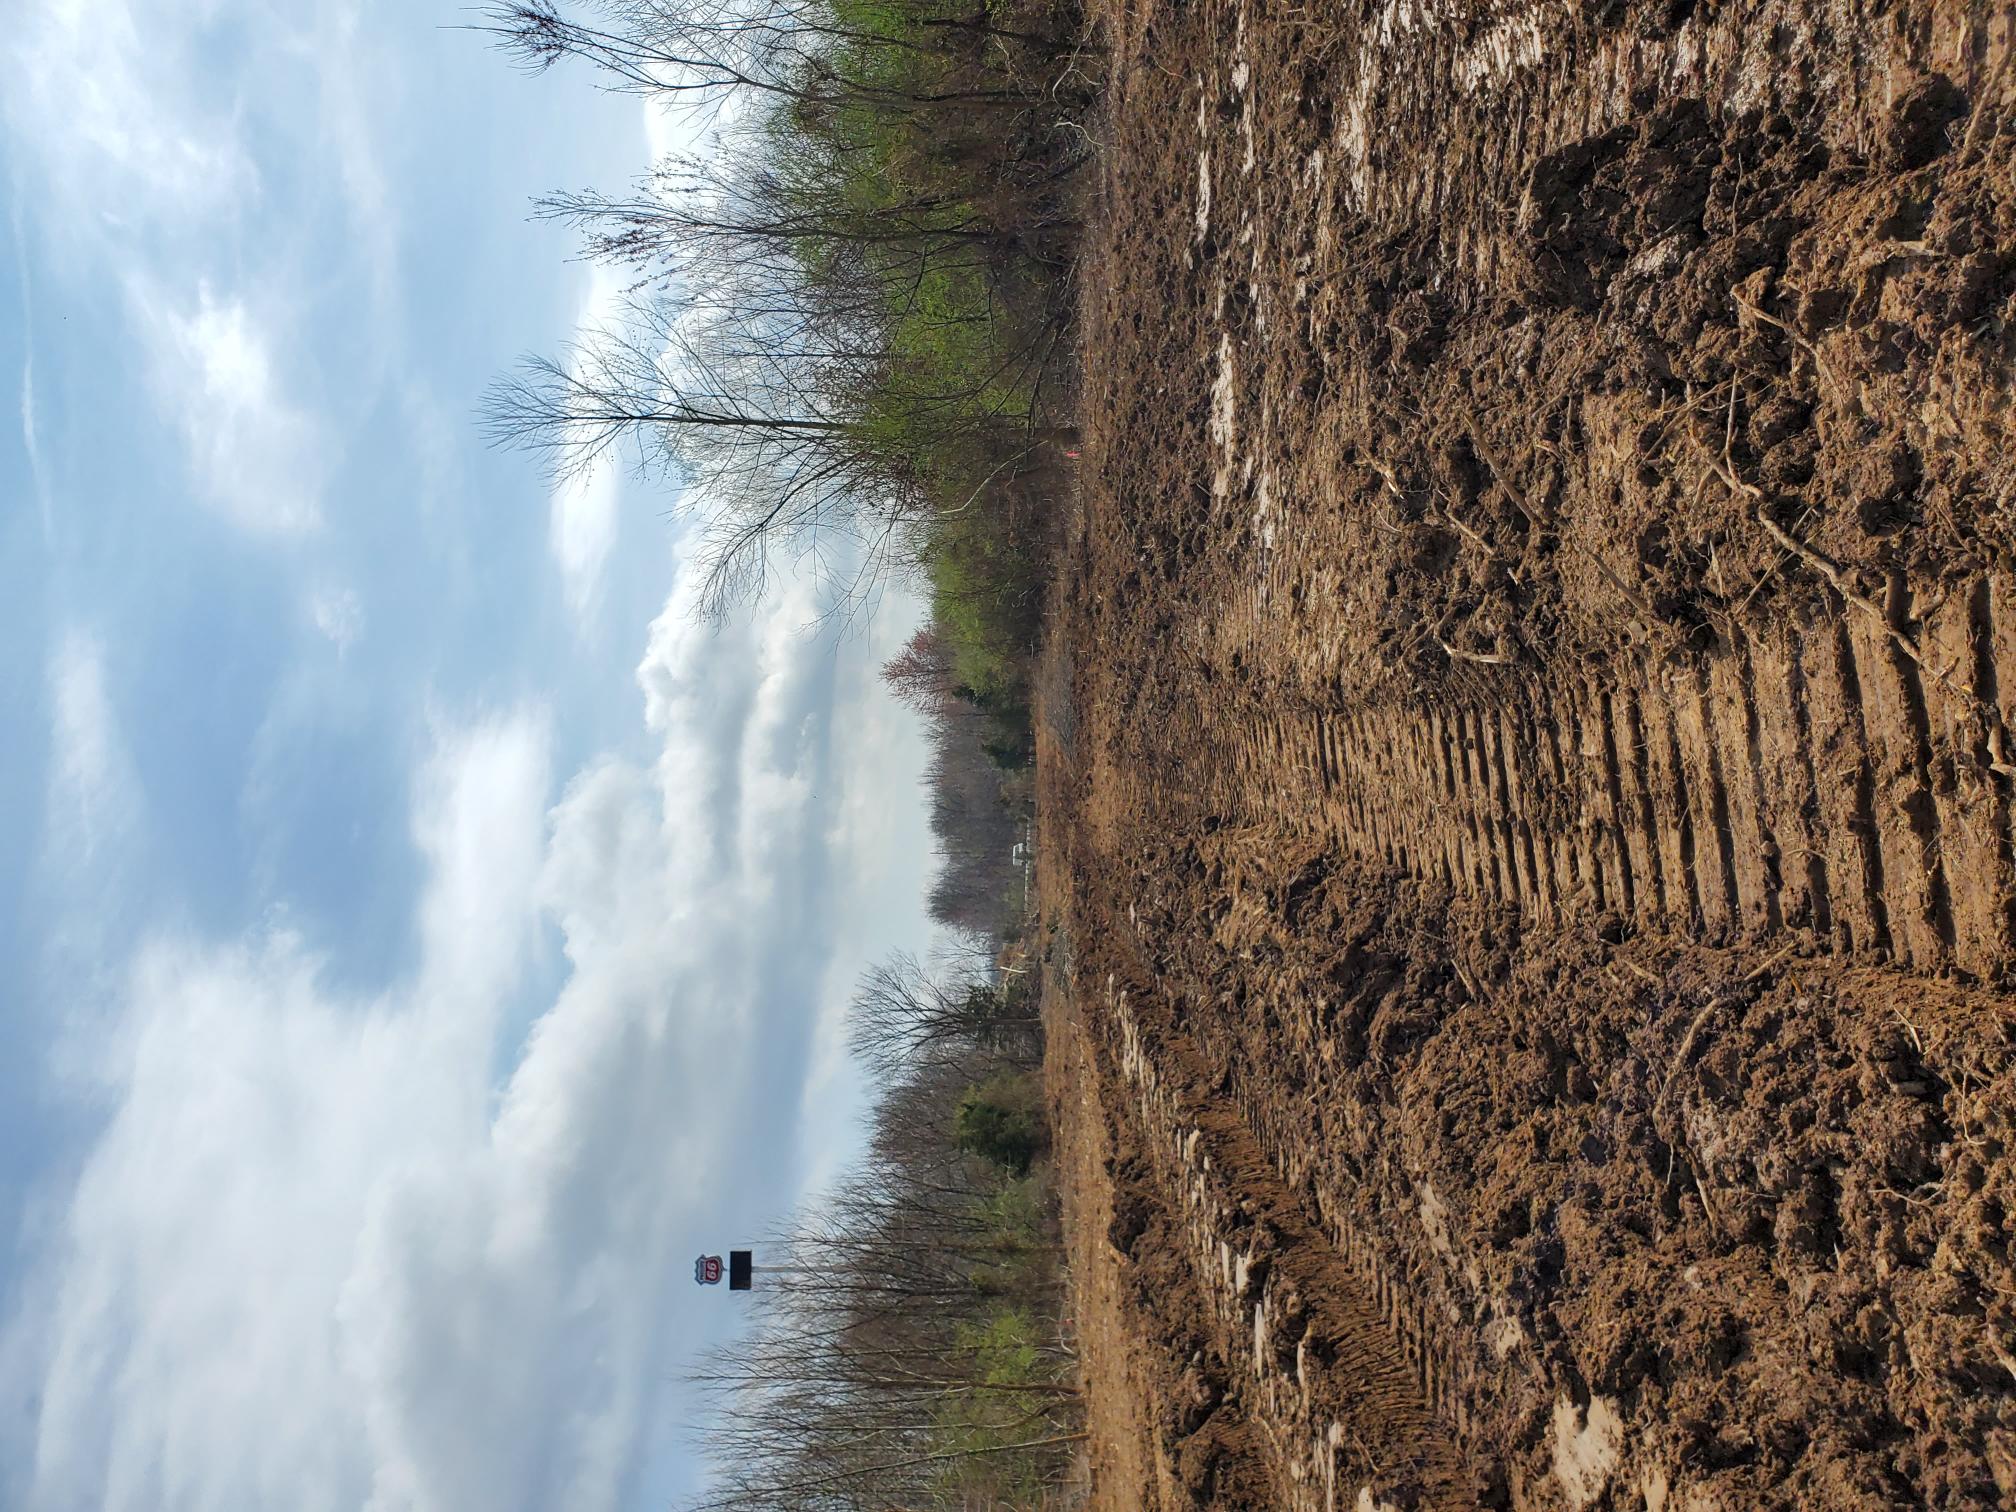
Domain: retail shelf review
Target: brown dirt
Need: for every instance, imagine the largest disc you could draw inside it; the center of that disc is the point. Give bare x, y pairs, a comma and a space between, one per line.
1526, 760
1162, 1425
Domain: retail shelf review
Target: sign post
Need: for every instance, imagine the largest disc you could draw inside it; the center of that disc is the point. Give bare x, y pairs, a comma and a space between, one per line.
740, 1270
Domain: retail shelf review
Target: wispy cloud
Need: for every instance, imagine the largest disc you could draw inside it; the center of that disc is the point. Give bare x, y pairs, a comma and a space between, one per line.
93, 791
143, 172
257, 456
338, 615
31, 429
347, 52
128, 142
31, 444
583, 533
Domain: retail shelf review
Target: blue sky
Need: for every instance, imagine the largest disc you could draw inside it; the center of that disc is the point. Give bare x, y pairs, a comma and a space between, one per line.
419, 936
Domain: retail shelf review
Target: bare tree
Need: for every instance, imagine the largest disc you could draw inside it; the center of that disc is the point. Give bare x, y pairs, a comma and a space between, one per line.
784, 48
766, 458
903, 1013
835, 336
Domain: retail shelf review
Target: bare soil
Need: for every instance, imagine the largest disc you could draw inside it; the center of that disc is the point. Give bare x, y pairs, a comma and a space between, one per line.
1526, 758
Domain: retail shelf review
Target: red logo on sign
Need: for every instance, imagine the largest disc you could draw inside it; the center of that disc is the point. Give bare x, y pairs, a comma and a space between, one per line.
707, 1270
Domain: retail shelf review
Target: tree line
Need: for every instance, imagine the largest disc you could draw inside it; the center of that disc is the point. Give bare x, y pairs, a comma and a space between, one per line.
979, 781
911, 1351
846, 345
850, 308
846, 336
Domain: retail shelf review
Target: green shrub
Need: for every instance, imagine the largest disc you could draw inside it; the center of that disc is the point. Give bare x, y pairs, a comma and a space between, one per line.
1001, 1120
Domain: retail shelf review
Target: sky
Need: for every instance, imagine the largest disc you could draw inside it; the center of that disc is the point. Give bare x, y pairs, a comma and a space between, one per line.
420, 936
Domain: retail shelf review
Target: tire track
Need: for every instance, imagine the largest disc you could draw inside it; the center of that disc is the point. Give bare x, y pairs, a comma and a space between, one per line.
1817, 785
1343, 1377
1267, 810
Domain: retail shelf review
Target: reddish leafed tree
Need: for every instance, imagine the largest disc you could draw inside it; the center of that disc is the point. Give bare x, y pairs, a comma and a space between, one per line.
920, 675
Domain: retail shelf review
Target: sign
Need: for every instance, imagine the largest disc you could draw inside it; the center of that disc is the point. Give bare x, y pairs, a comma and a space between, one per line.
740, 1270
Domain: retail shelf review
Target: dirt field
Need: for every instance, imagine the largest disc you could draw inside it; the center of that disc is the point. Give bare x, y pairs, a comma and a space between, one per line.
1526, 759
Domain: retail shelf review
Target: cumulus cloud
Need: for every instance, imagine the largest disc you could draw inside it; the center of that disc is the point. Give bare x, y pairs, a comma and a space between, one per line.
193, 1349
327, 1254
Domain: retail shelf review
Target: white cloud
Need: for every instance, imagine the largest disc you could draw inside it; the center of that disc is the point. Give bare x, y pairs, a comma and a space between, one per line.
347, 54
584, 522
93, 836
257, 456
107, 97
338, 614
143, 172
675, 131
93, 790
259, 1122
322, 1258
584, 532
31, 429
31, 443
